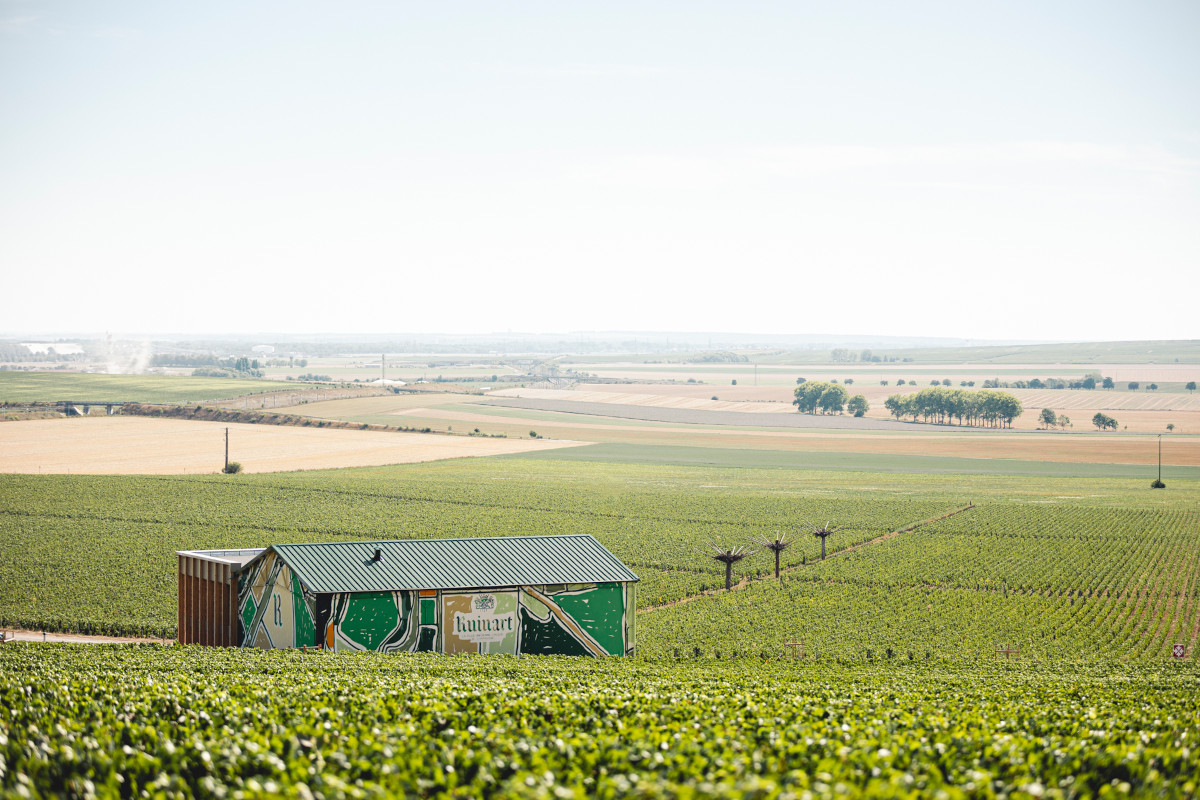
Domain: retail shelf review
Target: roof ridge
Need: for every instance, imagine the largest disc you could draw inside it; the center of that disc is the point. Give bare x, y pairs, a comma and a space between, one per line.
479, 561
456, 539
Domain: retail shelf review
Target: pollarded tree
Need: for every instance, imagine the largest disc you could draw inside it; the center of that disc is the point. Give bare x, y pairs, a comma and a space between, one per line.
729, 556
778, 545
823, 534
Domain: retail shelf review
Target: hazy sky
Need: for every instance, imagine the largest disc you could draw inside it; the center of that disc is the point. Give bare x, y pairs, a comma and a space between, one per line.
981, 170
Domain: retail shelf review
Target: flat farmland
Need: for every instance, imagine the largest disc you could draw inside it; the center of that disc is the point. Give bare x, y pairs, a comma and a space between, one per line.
750, 399
1140, 412
462, 412
50, 387
777, 374
1136, 412
146, 446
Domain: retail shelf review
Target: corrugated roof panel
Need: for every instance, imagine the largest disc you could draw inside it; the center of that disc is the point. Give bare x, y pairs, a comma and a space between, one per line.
453, 563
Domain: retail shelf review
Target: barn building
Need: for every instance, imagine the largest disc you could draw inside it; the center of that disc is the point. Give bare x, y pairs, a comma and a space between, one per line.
536, 594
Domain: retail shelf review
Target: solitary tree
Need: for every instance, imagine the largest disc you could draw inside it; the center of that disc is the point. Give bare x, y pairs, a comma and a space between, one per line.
778, 545
1153, 387
1191, 386
729, 557
1049, 418
1133, 385
858, 405
1063, 421
823, 534
1107, 383
1170, 427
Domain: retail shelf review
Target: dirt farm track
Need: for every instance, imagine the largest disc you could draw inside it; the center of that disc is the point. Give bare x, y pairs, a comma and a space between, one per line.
146, 446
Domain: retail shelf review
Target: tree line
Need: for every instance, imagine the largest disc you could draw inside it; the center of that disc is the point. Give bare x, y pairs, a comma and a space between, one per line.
989, 409
828, 398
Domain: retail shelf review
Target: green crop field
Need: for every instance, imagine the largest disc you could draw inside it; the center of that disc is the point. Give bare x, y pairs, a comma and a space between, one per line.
116, 536
51, 387
678, 455
1086, 580
191, 722
96, 553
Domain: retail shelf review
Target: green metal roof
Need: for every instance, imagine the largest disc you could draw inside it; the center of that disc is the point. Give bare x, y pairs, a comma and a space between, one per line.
483, 563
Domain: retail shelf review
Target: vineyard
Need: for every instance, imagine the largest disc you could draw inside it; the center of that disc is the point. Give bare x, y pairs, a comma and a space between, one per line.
1056, 567
1079, 582
97, 553
182, 722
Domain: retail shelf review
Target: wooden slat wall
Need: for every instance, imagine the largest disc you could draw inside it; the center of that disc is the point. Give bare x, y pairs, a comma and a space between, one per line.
207, 603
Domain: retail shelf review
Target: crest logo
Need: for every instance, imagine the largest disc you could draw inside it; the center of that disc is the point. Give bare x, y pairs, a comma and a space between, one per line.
485, 602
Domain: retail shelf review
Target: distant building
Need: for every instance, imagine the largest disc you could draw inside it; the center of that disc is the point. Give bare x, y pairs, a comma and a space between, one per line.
510, 595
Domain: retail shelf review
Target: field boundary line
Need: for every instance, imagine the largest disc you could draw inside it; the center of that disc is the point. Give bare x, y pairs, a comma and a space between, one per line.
746, 581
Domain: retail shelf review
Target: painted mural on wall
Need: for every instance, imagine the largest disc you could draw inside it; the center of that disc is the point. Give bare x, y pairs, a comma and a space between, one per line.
572, 619
273, 609
587, 619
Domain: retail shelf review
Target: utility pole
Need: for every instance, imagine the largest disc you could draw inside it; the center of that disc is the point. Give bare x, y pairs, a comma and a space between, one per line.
1158, 484
227, 449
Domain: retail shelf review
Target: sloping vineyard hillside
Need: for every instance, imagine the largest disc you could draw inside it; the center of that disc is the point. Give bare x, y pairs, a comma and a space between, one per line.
1055, 582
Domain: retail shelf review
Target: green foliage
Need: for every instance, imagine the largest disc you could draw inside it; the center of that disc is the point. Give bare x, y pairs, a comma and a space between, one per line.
941, 405
858, 405
151, 721
233, 468
823, 396
1048, 418
1103, 421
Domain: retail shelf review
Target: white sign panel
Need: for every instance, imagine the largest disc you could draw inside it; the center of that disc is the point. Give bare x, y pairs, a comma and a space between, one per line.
484, 622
